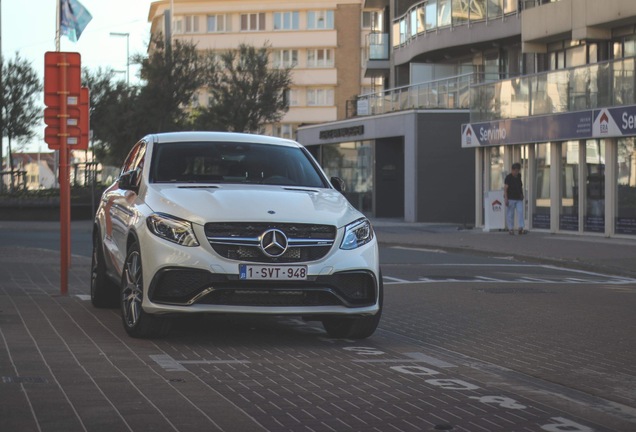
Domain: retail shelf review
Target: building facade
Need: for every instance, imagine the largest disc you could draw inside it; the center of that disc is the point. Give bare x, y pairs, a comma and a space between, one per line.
549, 84
323, 41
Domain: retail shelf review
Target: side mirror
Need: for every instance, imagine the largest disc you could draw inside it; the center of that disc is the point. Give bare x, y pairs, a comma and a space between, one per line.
338, 184
129, 180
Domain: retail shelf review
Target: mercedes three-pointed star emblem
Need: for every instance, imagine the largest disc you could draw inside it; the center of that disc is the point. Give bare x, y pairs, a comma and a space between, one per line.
273, 243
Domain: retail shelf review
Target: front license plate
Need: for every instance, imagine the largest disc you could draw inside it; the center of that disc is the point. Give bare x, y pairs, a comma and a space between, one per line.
272, 272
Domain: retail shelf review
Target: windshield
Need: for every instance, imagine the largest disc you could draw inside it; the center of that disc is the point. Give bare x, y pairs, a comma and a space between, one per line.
221, 162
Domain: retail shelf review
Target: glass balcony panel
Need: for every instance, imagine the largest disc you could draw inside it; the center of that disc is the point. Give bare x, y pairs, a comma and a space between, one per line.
443, 13
606, 84
460, 12
477, 10
623, 82
378, 44
495, 8
431, 15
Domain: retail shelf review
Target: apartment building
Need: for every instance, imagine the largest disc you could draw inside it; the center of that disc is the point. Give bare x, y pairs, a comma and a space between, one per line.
549, 84
322, 40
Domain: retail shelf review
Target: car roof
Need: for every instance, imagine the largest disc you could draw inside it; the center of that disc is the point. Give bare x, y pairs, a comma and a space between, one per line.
175, 137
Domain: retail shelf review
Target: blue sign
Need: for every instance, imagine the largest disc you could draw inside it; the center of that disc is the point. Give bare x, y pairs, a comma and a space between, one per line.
599, 123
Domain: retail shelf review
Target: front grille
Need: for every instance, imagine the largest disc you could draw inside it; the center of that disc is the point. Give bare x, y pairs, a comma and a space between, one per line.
183, 286
270, 297
241, 241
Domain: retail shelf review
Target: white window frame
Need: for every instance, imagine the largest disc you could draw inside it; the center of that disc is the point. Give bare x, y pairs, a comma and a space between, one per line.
320, 96
177, 26
320, 20
191, 24
293, 97
320, 58
284, 130
218, 19
255, 21
287, 20
284, 58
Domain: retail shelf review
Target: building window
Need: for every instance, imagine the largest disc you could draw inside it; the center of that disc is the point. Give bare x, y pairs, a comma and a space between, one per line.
594, 219
569, 208
284, 58
286, 21
372, 20
541, 198
626, 187
253, 22
320, 58
319, 97
353, 162
191, 24
320, 20
292, 97
217, 23
284, 130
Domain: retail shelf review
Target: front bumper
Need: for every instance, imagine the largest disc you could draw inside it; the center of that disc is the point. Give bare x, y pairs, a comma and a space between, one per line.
186, 280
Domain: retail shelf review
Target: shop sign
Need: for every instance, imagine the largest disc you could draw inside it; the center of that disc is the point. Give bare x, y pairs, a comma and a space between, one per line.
598, 123
558, 127
615, 122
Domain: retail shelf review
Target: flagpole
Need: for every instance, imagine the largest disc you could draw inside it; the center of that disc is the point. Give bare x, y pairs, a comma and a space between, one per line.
57, 25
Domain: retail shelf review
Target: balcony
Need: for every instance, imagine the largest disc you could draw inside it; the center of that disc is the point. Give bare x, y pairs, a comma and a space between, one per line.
598, 85
378, 54
447, 93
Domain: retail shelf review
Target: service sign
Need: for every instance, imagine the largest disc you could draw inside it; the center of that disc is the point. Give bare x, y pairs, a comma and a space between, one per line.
598, 123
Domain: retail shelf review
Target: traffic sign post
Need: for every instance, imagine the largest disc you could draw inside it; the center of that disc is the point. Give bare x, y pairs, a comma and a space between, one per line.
63, 96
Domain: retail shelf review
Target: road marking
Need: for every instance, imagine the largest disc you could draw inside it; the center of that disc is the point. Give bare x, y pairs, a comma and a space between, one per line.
420, 249
170, 364
394, 280
412, 357
83, 297
585, 277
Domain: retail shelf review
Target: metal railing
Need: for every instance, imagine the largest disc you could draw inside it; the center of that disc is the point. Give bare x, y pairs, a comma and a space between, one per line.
447, 93
605, 84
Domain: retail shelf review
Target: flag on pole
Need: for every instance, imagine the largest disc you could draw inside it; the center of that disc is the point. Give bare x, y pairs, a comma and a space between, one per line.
73, 19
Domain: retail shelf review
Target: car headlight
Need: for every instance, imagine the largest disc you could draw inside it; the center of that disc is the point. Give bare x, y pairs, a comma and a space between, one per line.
173, 229
357, 234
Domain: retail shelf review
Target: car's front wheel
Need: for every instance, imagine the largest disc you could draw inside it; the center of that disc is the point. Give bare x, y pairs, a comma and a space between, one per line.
137, 322
359, 327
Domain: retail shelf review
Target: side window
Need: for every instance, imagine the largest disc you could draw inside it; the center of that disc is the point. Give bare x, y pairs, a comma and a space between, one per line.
135, 160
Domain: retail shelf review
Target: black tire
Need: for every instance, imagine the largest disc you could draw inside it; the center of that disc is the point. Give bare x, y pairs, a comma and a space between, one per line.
359, 327
104, 292
137, 322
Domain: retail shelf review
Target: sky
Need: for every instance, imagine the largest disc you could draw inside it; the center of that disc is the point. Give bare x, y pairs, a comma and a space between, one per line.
28, 27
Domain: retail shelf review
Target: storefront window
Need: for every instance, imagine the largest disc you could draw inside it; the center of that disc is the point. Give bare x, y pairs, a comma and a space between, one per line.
569, 210
496, 168
626, 184
353, 162
595, 186
541, 198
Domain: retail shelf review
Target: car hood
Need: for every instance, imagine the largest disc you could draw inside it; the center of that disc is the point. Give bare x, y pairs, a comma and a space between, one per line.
228, 203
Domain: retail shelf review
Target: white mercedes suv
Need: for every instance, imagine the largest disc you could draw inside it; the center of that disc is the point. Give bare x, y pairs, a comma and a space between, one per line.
211, 222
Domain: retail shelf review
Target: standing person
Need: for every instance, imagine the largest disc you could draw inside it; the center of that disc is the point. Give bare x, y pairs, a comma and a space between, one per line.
513, 196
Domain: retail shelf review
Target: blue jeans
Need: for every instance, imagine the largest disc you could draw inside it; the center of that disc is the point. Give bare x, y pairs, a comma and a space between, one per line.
514, 206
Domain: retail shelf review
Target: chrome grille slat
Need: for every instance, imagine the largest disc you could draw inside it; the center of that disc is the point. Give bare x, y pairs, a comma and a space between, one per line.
241, 241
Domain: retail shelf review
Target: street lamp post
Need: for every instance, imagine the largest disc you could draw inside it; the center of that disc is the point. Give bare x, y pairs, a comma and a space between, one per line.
127, 36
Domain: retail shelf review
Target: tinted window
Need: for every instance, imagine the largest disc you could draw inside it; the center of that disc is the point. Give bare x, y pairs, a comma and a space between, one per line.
217, 162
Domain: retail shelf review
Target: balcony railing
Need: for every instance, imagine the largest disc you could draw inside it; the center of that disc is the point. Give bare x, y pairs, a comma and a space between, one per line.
605, 84
447, 93
378, 46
